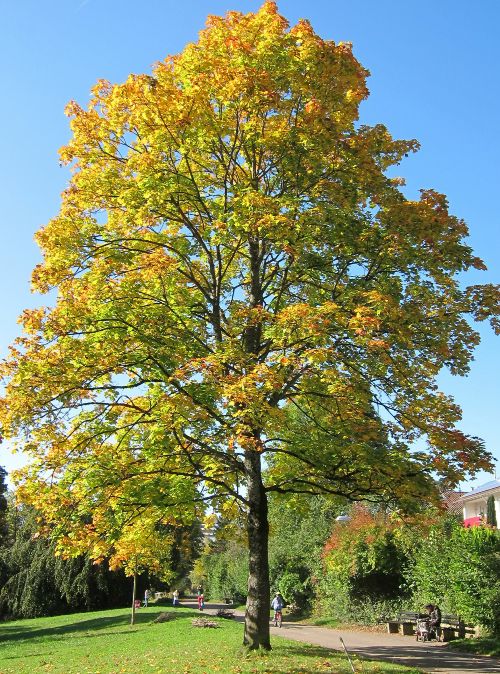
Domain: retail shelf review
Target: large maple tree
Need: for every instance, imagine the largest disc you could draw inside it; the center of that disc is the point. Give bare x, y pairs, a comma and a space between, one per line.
246, 302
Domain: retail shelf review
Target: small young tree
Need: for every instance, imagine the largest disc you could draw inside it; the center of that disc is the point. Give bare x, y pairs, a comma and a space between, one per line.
139, 548
239, 282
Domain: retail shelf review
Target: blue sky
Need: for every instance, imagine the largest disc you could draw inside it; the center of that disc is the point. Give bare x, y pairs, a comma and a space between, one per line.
435, 77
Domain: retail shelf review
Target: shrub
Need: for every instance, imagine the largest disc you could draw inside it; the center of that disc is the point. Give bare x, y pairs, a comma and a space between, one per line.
291, 587
298, 531
226, 573
373, 568
459, 568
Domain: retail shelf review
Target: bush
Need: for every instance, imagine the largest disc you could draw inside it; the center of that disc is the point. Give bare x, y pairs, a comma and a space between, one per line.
364, 569
292, 588
226, 573
298, 530
373, 568
459, 568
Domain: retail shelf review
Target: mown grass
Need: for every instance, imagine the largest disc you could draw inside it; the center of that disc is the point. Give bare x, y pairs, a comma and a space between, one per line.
322, 622
105, 643
479, 646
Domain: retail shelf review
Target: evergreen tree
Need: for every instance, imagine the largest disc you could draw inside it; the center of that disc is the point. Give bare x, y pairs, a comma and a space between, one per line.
491, 516
34, 582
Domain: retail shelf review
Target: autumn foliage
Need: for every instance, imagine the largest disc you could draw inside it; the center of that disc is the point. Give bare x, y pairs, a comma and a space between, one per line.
238, 279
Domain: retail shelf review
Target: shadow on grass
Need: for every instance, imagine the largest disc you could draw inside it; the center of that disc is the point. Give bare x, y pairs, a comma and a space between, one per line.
415, 658
12, 633
331, 661
43, 654
305, 650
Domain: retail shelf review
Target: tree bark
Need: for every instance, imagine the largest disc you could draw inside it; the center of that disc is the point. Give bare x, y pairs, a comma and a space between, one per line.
258, 600
256, 633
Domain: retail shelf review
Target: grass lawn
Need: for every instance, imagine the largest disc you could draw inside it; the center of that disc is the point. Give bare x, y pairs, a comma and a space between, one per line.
322, 622
479, 646
105, 643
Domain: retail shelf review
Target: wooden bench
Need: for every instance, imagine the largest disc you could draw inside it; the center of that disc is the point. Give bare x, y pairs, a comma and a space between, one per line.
404, 624
452, 626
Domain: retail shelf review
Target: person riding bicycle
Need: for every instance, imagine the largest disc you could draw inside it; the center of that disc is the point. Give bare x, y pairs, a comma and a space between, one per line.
277, 605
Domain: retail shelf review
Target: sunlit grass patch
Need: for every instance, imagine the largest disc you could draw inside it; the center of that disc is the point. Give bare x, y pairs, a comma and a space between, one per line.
104, 643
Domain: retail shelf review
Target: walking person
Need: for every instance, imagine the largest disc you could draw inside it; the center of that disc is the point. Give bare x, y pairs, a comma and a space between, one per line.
175, 598
146, 597
201, 601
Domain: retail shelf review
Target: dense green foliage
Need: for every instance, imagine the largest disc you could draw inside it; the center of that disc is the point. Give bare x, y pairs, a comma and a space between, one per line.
226, 572
374, 567
370, 567
298, 530
36, 583
297, 536
364, 564
460, 569
222, 568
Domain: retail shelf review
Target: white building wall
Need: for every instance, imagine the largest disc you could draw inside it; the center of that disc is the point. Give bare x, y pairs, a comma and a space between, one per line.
475, 507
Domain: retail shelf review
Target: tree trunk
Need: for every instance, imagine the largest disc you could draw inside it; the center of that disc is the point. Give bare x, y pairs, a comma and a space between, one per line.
134, 592
258, 600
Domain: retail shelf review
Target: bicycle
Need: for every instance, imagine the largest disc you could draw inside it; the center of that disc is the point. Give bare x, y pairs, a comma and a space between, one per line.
278, 618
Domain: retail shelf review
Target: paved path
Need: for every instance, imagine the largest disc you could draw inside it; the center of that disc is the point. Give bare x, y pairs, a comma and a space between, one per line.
429, 657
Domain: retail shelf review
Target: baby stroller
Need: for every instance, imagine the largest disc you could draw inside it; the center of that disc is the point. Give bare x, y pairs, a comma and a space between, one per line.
422, 631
